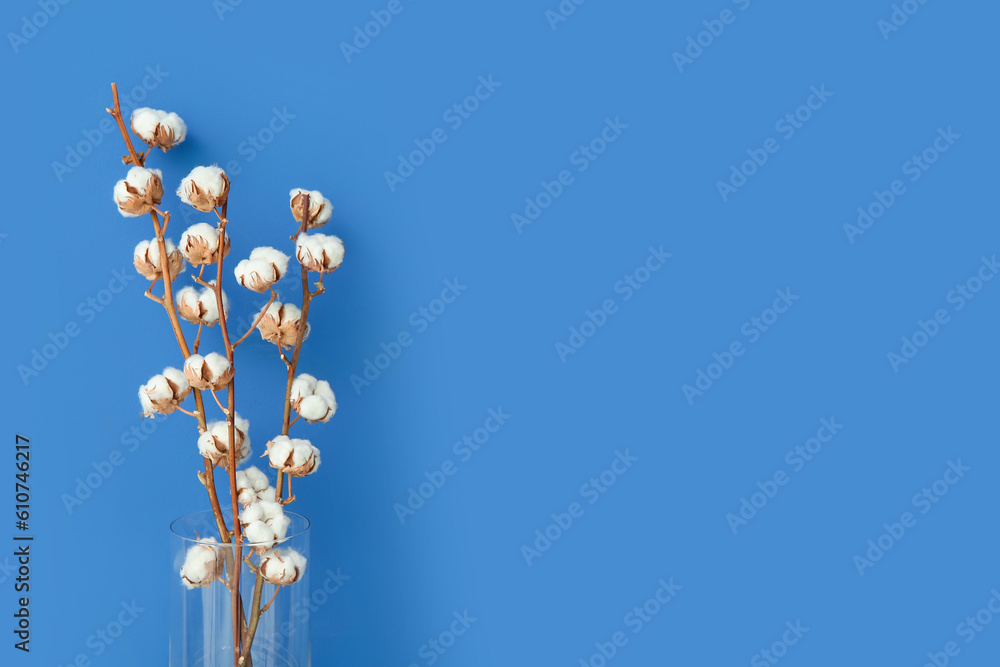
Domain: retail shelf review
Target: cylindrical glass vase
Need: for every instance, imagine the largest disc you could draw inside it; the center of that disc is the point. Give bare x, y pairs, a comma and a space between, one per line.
201, 614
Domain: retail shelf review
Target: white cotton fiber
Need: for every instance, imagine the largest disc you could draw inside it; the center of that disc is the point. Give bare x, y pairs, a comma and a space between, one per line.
201, 564
208, 179
217, 363
313, 408
144, 122
176, 125
259, 533
204, 231
177, 377
303, 385
187, 297
271, 256
256, 478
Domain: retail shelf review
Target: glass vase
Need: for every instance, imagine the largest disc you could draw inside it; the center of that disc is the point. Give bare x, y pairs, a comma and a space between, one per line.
201, 614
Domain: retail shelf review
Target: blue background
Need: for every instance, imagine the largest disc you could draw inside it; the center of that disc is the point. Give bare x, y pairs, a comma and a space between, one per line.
225, 72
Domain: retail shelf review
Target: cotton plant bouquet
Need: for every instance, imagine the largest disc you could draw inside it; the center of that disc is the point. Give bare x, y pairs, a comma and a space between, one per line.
258, 524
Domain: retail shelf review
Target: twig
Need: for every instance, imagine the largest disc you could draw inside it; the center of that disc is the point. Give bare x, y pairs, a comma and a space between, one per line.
237, 607
263, 312
268, 605
294, 364
224, 409
197, 339
117, 114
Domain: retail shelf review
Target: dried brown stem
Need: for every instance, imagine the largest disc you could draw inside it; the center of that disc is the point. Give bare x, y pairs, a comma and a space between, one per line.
117, 114
237, 607
197, 339
218, 402
167, 301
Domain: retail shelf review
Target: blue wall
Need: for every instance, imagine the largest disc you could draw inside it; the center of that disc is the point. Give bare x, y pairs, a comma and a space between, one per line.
651, 216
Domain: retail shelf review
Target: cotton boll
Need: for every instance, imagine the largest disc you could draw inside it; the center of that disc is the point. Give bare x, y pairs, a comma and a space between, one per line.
256, 478
139, 191
297, 457
313, 409
171, 131
250, 483
200, 244
178, 383
282, 567
251, 514
148, 409
319, 252
256, 274
320, 208
203, 564
200, 307
245, 495
209, 305
303, 385
204, 188
278, 451
260, 536
324, 391
146, 259
280, 324
214, 442
163, 393
270, 493
272, 256
217, 363
158, 128
144, 122
188, 305
279, 525
313, 400
208, 447
210, 372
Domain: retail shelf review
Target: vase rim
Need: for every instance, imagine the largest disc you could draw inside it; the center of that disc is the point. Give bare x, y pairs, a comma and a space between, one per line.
286, 539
